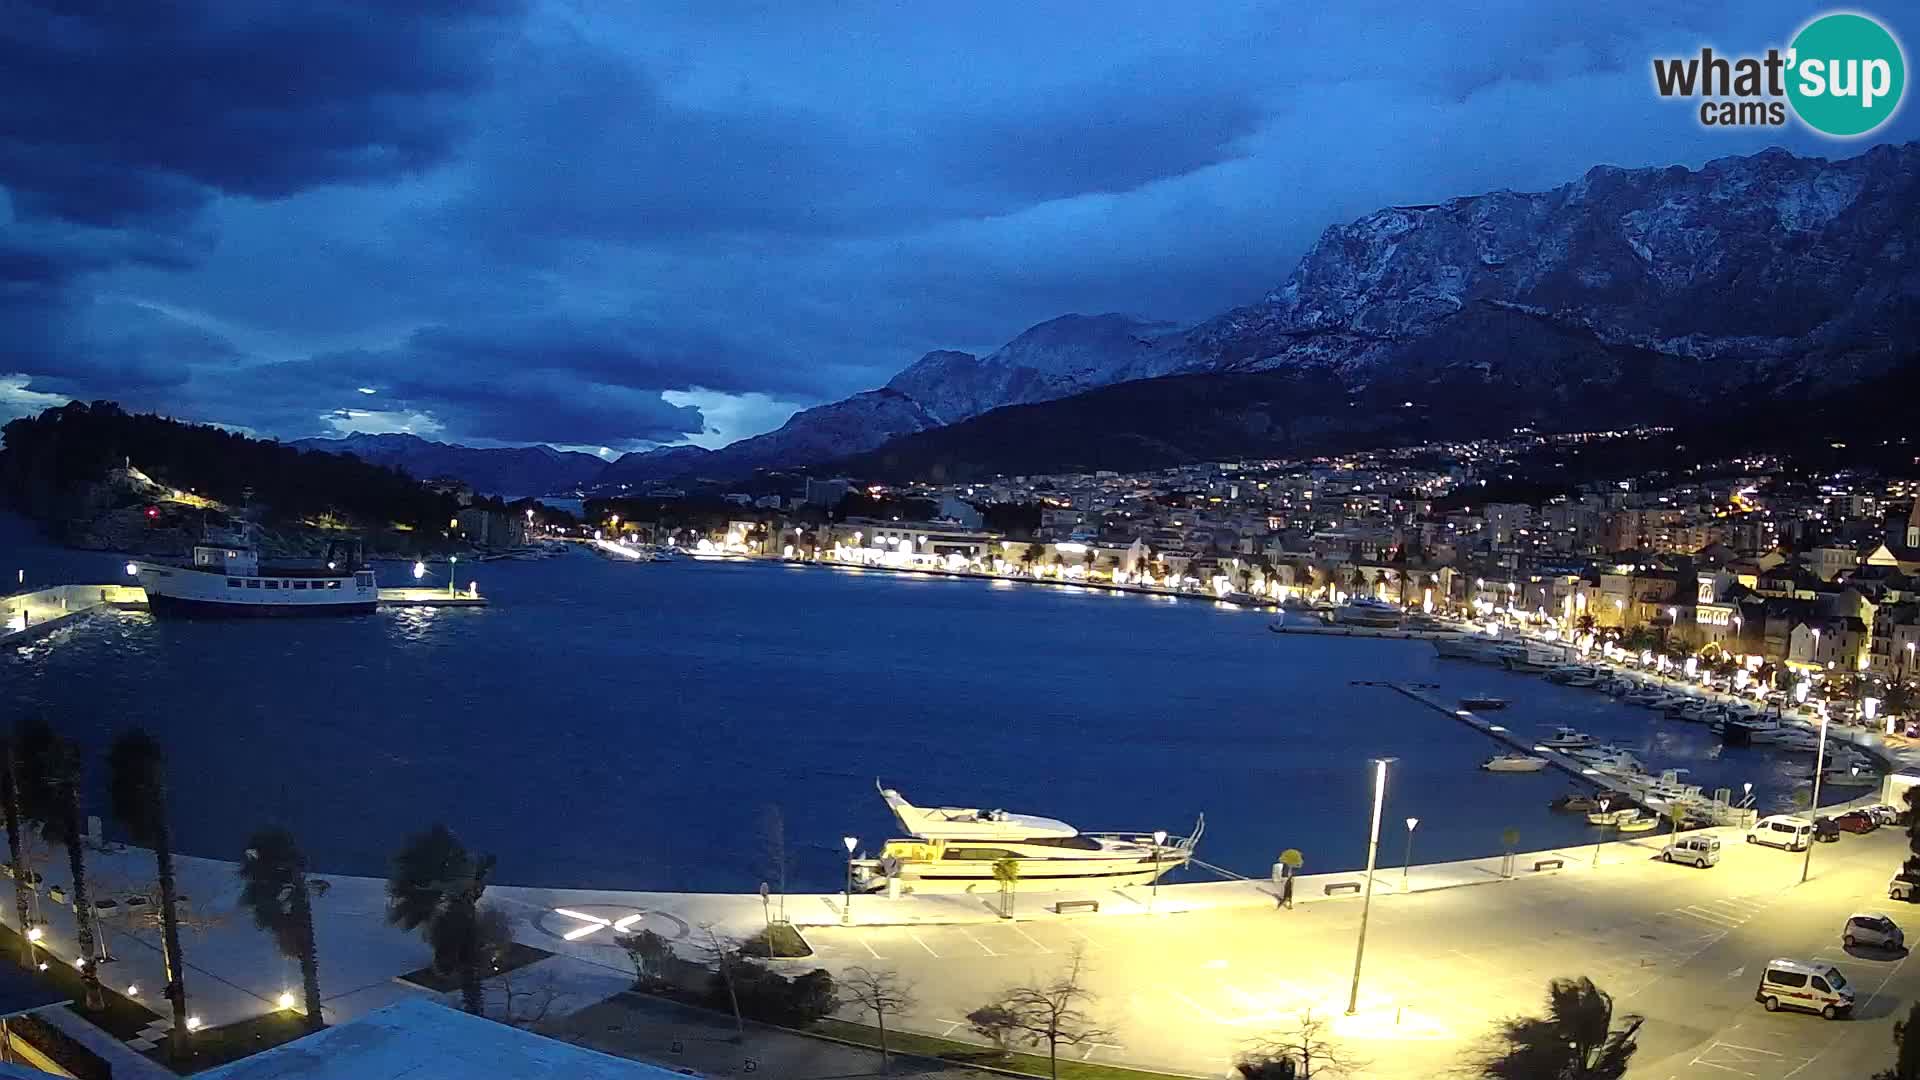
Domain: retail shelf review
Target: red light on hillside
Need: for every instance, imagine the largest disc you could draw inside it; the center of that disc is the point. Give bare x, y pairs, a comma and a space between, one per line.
153, 511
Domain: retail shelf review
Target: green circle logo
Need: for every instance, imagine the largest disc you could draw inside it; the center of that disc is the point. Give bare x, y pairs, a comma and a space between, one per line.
1847, 74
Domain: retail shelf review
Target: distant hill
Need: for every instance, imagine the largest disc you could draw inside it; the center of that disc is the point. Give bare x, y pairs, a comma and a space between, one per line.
59, 468
512, 471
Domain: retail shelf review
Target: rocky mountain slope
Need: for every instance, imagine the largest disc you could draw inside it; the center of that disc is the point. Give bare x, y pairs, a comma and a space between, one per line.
512, 470
1625, 295
1628, 295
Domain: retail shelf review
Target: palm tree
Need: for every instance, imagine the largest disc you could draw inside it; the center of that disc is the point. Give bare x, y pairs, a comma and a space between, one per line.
437, 885
1576, 1040
10, 800
50, 795
274, 888
137, 782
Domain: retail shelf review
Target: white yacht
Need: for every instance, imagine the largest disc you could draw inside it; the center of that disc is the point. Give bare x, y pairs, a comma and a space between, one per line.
954, 848
1361, 611
228, 579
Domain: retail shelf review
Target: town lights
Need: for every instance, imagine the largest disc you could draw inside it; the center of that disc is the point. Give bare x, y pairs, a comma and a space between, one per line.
132, 570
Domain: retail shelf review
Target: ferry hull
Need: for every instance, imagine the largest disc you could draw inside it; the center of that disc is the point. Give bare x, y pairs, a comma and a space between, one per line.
163, 604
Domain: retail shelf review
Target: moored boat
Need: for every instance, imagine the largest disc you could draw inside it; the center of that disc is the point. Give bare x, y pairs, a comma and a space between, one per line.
229, 579
954, 848
1483, 703
1514, 763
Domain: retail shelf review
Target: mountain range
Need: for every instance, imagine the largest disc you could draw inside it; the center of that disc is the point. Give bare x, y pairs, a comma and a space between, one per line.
1628, 295
510, 470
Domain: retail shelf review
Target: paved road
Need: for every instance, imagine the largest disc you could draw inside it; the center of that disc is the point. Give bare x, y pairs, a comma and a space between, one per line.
1682, 946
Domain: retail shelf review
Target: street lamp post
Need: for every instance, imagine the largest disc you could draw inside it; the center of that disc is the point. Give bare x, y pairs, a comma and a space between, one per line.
1159, 838
1407, 864
1366, 904
451, 567
1605, 802
1813, 807
846, 910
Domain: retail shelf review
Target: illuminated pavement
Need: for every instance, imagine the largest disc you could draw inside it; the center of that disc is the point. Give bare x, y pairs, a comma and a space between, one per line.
1218, 964
1683, 946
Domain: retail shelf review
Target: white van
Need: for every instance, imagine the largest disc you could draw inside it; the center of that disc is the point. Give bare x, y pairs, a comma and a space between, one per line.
1782, 831
1700, 851
1790, 984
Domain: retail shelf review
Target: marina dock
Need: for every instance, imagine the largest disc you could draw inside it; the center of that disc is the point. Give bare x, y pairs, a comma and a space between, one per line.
28, 616
1571, 766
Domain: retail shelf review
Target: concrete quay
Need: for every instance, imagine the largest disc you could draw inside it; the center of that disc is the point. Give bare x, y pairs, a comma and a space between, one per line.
1146, 945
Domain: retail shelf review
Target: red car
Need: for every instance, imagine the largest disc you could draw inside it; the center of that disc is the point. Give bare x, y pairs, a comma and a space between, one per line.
1856, 821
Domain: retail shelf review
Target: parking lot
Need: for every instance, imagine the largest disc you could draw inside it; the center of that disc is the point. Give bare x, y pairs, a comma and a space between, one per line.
1683, 945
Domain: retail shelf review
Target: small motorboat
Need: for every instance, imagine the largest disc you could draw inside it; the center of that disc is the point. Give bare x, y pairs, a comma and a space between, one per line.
1636, 822
1565, 738
1614, 816
1575, 803
1514, 763
1483, 703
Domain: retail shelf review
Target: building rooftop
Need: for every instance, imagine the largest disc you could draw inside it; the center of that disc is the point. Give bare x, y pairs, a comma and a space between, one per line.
417, 1039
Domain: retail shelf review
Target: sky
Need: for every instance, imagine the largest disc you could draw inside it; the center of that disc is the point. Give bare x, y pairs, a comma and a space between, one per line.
625, 225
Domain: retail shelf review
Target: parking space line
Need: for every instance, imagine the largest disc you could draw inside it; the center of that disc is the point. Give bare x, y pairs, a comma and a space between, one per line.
1713, 917
869, 948
964, 932
1030, 938
924, 945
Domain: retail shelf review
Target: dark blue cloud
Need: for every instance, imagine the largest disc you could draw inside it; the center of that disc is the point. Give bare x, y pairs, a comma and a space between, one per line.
545, 222
119, 112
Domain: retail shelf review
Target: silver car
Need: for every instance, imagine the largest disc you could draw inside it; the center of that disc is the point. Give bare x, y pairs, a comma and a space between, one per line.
1874, 930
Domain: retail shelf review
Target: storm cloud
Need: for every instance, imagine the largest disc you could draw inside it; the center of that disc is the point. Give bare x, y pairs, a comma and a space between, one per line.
627, 225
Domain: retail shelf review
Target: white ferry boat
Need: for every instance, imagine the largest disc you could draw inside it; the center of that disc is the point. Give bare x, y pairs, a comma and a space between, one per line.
228, 579
955, 848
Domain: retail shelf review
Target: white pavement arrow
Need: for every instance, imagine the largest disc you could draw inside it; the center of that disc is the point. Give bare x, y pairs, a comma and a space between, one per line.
1737, 972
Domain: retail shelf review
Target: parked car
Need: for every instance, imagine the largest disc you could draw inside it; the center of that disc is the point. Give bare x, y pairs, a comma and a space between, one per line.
1884, 813
1902, 887
1815, 987
1782, 831
1826, 830
1857, 821
1870, 928
1696, 851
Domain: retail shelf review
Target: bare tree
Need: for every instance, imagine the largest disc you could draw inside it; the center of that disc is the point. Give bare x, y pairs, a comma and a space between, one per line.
1308, 1046
1052, 1012
649, 953
879, 992
721, 953
526, 1000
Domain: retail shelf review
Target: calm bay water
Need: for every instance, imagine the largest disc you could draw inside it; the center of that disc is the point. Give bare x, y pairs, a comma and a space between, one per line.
625, 726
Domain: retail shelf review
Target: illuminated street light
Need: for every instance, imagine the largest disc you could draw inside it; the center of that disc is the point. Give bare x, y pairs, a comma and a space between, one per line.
1605, 801
1407, 863
1159, 838
846, 911
1813, 807
1366, 905
453, 562
286, 999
